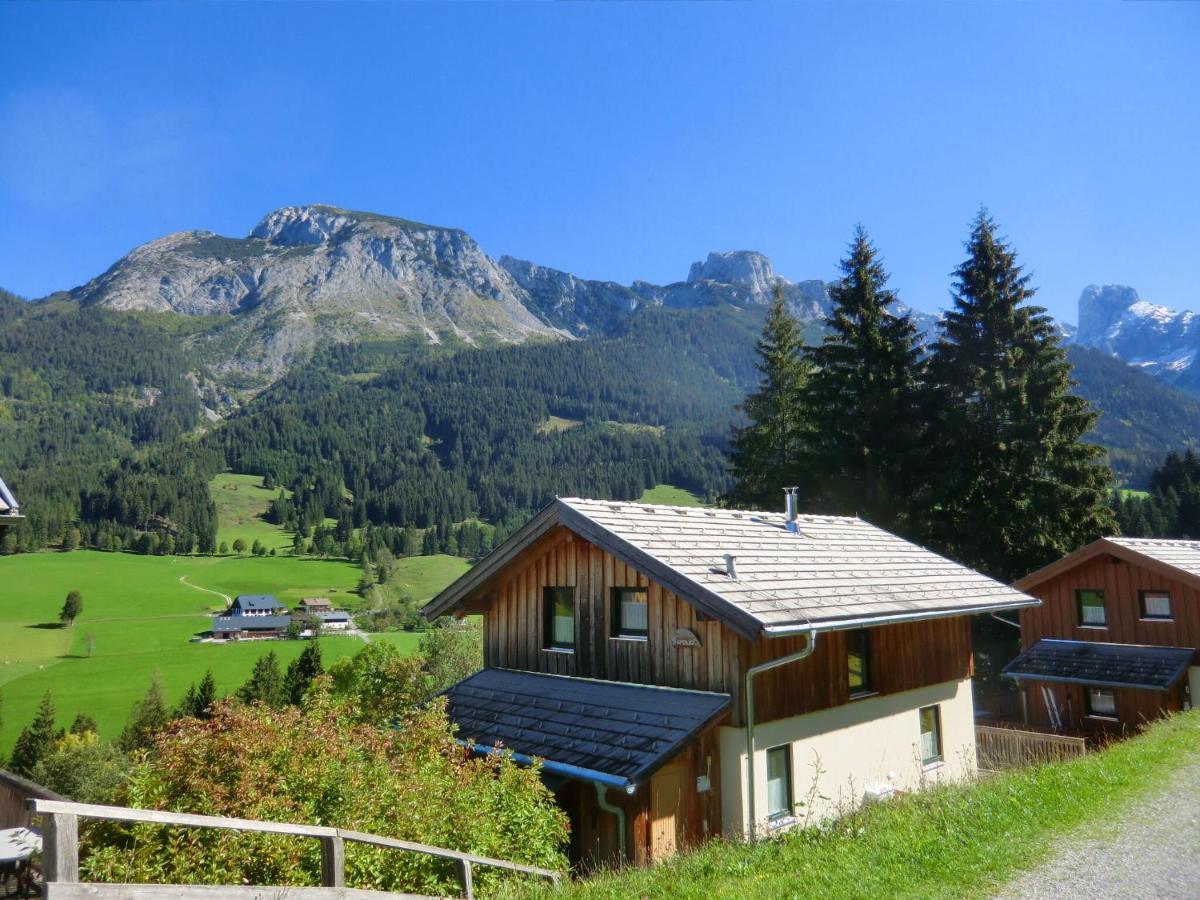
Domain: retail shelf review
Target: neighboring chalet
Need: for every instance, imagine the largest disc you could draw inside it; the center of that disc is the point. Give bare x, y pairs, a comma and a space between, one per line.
314, 605
251, 617
10, 510
334, 620
643, 653
1113, 644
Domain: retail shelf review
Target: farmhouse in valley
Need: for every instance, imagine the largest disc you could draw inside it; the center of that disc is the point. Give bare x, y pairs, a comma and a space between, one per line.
1113, 644
10, 510
644, 653
251, 617
314, 604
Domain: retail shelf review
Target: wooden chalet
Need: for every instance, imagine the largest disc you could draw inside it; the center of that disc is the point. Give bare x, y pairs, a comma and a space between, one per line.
644, 653
1113, 644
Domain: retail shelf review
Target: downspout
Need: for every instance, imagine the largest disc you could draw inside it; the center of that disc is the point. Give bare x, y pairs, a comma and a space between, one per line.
601, 791
809, 646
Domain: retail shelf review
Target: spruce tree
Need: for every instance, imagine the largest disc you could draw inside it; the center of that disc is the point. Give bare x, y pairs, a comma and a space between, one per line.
766, 452
35, 740
146, 719
265, 684
1010, 483
862, 398
301, 672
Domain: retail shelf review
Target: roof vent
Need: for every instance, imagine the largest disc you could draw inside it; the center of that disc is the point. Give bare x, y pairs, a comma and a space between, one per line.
792, 500
731, 566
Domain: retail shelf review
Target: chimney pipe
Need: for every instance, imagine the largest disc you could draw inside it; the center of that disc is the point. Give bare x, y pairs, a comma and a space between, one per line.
792, 497
731, 566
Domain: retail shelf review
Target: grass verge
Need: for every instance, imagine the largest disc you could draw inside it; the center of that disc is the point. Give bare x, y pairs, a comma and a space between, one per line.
958, 841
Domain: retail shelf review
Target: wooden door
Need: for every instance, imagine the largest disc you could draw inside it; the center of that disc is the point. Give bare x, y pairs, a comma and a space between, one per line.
666, 811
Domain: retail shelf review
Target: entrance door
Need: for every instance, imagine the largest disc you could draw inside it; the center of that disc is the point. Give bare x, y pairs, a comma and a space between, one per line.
666, 811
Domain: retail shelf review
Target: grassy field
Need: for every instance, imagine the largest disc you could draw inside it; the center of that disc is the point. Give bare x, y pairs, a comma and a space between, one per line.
241, 500
141, 612
1127, 493
669, 495
962, 841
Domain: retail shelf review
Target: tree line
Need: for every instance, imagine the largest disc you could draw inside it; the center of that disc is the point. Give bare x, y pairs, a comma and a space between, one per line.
975, 448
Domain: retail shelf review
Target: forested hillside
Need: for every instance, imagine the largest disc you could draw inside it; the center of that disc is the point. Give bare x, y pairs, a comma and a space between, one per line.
82, 393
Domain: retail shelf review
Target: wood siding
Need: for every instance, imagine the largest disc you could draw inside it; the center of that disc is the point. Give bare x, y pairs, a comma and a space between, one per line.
1058, 617
904, 657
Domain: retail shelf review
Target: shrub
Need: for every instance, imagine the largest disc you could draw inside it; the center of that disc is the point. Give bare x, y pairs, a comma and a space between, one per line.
81, 766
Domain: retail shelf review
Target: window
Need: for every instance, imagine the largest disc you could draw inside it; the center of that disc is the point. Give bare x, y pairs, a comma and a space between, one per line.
931, 735
858, 662
1155, 604
779, 782
1102, 703
1091, 608
629, 612
558, 619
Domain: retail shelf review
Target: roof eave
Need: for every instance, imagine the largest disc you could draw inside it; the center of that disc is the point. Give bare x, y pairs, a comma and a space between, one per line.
1100, 547
896, 618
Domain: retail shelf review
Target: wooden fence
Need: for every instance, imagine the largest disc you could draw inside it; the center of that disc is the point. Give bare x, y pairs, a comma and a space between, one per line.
60, 828
15, 793
1007, 748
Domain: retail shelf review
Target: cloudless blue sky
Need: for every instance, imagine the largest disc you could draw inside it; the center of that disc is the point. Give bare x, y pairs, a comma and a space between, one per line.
617, 141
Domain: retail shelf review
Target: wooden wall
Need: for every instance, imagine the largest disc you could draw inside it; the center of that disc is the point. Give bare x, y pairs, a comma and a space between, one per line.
1121, 581
1058, 617
904, 656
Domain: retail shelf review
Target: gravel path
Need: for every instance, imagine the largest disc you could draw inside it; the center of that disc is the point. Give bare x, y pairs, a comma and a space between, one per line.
1151, 851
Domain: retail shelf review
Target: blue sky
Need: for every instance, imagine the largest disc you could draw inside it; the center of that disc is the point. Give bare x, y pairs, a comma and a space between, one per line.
617, 141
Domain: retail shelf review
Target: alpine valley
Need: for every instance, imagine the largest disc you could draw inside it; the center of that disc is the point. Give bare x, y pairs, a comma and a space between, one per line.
391, 373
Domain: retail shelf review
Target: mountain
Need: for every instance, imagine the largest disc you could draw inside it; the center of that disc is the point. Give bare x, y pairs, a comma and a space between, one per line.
1160, 341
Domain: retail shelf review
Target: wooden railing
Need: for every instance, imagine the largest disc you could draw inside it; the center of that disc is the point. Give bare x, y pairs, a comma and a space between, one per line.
1008, 748
60, 829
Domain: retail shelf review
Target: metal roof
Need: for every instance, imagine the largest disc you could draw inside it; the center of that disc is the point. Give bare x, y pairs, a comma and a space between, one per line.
1102, 665
614, 733
256, 601
831, 572
9, 507
250, 623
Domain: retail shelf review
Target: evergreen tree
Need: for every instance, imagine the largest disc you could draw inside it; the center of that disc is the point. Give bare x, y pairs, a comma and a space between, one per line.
83, 724
862, 398
198, 700
71, 608
146, 719
1010, 484
767, 451
35, 740
265, 684
301, 672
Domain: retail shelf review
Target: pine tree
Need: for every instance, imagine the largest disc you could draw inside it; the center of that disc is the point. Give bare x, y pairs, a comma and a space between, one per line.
862, 397
766, 452
83, 724
265, 684
301, 672
1010, 483
36, 739
146, 719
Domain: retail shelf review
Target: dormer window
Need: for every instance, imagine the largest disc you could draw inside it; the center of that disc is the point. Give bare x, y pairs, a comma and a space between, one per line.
558, 618
629, 613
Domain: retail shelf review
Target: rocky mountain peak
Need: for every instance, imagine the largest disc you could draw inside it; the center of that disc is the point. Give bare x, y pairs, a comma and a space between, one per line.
1100, 308
744, 268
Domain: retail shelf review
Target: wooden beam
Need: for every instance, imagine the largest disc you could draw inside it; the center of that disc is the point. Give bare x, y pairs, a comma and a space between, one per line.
60, 846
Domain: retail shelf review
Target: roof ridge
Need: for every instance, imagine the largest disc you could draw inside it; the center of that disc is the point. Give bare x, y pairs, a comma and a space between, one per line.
716, 510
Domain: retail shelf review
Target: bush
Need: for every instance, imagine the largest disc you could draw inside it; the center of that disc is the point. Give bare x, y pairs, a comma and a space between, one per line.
323, 765
83, 767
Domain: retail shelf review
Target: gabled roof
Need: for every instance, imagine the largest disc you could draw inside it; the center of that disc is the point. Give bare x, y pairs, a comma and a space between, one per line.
1103, 665
9, 507
1179, 560
614, 733
257, 601
832, 572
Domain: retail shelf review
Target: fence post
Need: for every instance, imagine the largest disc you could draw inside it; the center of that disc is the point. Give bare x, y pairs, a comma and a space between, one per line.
333, 862
464, 867
60, 847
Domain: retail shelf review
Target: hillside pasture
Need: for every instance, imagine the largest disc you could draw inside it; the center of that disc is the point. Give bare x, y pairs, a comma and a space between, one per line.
669, 495
241, 501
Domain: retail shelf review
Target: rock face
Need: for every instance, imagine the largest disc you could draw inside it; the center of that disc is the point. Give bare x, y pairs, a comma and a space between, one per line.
1159, 340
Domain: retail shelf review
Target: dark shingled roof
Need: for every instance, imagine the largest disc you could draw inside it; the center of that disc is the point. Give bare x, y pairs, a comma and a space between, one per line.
250, 623
256, 601
1110, 665
603, 731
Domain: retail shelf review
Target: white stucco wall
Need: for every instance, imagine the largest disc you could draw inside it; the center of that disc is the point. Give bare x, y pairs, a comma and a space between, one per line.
838, 753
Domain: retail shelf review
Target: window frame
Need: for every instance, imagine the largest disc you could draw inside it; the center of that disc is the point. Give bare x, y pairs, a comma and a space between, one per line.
940, 757
551, 595
1079, 592
616, 627
786, 751
1145, 613
1093, 713
867, 688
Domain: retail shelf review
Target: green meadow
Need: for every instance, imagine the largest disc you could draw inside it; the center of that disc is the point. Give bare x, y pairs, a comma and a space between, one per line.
669, 495
140, 614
